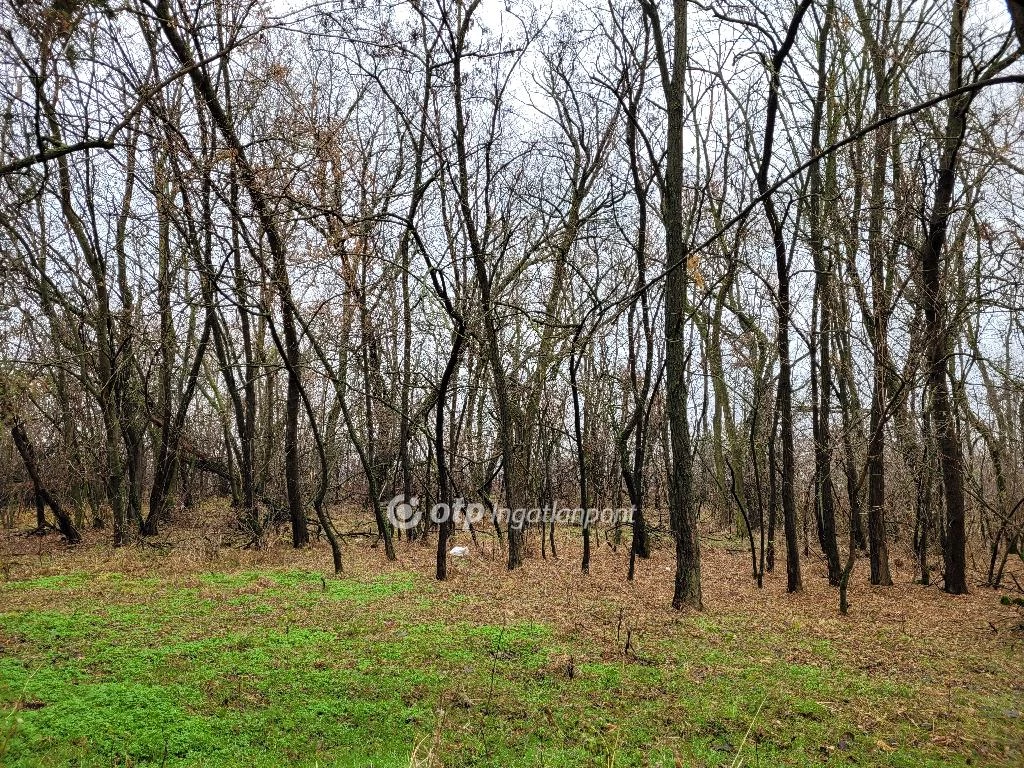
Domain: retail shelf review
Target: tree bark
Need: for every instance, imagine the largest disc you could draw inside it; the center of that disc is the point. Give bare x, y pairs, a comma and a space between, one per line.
784, 402
683, 511
954, 549
43, 495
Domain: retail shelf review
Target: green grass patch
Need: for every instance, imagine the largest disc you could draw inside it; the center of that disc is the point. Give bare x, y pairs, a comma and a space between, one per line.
286, 667
59, 581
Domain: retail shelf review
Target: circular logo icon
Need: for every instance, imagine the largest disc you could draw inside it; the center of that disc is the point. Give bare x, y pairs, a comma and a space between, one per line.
404, 515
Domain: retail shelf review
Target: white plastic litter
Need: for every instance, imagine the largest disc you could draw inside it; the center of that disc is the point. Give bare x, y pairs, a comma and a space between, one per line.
458, 551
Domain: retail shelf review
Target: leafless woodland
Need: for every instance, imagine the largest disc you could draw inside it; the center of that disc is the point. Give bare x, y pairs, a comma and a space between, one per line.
738, 266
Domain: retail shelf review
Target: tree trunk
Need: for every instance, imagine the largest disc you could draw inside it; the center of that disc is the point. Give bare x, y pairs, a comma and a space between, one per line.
682, 509
43, 496
954, 549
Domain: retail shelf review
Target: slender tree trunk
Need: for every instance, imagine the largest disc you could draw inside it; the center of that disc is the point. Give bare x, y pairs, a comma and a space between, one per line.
42, 494
784, 402
682, 507
581, 458
878, 318
954, 549
820, 341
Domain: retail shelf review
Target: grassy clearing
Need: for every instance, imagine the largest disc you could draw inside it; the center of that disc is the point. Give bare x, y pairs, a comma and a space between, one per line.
271, 666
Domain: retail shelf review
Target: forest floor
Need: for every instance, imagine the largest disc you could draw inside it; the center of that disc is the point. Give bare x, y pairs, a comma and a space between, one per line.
195, 655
